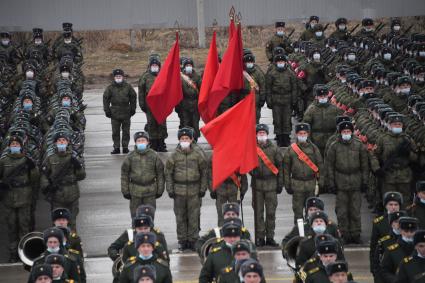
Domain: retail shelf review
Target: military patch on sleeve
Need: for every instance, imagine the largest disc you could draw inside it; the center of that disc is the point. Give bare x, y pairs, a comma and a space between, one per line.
73, 251
393, 247
214, 250
314, 270
378, 219
383, 239
407, 259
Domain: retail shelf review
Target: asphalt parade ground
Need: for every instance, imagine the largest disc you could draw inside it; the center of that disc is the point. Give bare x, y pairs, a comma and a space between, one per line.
104, 213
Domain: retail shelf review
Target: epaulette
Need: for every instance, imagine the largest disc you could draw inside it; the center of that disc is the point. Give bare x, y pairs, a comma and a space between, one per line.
228, 269
243, 229
303, 275
74, 235
74, 251
407, 259
157, 230
378, 219
214, 250
309, 237
314, 270
132, 259
383, 239
69, 281
393, 247
129, 243
218, 240
311, 260
162, 262
157, 244
330, 222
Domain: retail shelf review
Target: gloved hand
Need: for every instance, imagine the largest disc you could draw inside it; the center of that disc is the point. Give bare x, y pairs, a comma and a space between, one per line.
127, 196
157, 195
213, 195
172, 195
279, 190
108, 114
289, 190
201, 194
364, 188
76, 162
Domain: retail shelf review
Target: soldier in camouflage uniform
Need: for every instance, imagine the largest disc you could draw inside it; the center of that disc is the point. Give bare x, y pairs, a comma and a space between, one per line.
341, 32
145, 245
367, 29
119, 104
411, 269
348, 174
267, 183
257, 80
186, 183
318, 36
220, 256
395, 253
61, 172
9, 49
158, 132
278, 39
142, 174
321, 116
417, 209
188, 107
60, 218
38, 44
282, 96
18, 181
308, 33
300, 179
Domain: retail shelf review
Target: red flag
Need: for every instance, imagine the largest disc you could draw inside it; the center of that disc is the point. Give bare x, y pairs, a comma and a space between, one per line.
229, 76
231, 28
211, 68
233, 139
166, 91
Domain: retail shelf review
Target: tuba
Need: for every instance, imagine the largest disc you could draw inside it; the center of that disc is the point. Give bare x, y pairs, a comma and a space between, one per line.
205, 249
30, 247
117, 266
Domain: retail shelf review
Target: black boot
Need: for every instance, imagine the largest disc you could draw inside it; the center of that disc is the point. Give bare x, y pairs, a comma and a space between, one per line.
116, 151
271, 242
181, 246
162, 147
286, 140
260, 242
125, 150
154, 145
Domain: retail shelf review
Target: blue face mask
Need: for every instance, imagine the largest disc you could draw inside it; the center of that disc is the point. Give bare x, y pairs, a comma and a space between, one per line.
141, 146
61, 147
27, 106
145, 257
15, 149
66, 103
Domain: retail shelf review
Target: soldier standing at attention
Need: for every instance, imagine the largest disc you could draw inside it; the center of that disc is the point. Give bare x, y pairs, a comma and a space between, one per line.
60, 218
303, 163
417, 209
18, 180
142, 174
187, 181
267, 183
348, 172
278, 39
119, 104
61, 172
308, 33
411, 269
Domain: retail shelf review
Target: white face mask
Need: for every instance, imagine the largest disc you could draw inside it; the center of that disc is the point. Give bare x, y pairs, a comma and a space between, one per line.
65, 75
5, 41
323, 100
396, 231
29, 74
312, 25
341, 27
302, 138
405, 90
249, 65
38, 41
281, 65
67, 40
387, 56
346, 137
154, 69
397, 28
188, 69
118, 81
184, 145
316, 56
351, 57
368, 29
53, 250
422, 53
319, 33
343, 81
262, 138
280, 33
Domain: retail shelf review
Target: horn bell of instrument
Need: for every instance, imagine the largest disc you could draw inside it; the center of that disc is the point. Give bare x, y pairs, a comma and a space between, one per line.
30, 247
289, 252
206, 247
117, 266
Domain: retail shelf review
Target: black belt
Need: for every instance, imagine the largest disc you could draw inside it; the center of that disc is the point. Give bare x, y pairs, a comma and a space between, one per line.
143, 183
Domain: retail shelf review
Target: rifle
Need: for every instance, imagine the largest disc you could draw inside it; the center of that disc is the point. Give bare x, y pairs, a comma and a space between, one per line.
353, 29
291, 33
326, 27
407, 30
379, 27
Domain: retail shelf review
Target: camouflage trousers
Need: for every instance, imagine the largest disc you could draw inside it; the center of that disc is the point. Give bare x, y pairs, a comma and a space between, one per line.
117, 126
265, 201
137, 201
18, 223
73, 207
282, 119
347, 207
302, 191
188, 212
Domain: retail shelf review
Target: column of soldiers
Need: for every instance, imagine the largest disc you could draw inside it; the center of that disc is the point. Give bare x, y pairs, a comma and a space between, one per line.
359, 101
42, 149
